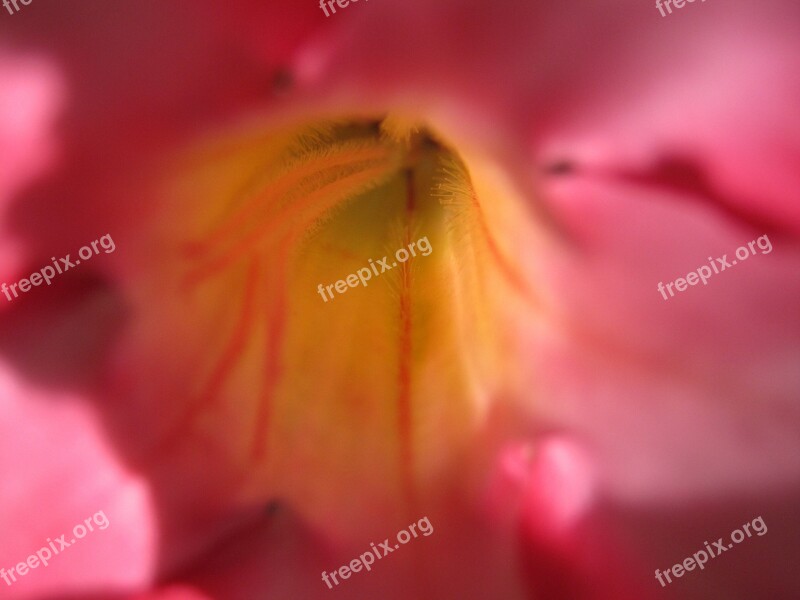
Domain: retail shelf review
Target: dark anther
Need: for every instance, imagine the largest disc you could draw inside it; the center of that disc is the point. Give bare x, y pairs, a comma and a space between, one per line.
430, 142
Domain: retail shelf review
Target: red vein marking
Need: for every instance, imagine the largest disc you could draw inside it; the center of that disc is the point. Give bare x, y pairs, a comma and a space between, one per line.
513, 277
275, 330
224, 366
238, 220
404, 425
282, 219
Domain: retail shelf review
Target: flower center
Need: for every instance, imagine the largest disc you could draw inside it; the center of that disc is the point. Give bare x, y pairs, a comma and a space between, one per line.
347, 304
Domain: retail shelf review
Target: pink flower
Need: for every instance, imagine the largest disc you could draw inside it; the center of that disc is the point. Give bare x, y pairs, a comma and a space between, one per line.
244, 424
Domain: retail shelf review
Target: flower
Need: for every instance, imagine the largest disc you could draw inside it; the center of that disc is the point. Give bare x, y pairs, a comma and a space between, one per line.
524, 386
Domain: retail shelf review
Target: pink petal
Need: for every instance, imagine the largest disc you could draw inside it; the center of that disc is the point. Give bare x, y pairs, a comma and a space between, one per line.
59, 469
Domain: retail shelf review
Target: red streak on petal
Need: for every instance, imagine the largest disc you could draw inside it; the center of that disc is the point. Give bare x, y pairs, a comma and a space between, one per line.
405, 357
275, 330
319, 200
511, 275
248, 213
226, 364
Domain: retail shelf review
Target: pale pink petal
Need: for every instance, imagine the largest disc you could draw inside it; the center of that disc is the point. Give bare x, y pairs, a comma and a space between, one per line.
59, 470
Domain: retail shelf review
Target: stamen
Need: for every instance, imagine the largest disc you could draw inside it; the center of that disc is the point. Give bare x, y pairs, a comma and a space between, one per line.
288, 178
324, 199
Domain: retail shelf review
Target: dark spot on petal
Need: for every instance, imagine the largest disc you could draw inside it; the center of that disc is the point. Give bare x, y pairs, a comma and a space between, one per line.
282, 81
560, 167
273, 507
